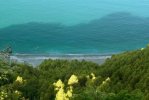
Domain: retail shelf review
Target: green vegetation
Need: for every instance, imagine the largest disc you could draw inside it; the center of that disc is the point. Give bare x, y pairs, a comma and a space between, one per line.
123, 77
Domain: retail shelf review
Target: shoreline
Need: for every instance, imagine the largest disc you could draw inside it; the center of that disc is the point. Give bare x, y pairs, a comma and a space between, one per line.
36, 59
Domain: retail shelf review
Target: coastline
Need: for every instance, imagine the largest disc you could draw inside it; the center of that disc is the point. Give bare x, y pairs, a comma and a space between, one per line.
36, 59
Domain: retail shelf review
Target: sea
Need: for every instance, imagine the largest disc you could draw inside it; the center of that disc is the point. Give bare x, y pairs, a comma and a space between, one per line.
69, 13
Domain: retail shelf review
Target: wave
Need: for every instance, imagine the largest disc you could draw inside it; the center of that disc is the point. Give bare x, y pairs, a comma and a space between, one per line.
59, 57
63, 54
36, 59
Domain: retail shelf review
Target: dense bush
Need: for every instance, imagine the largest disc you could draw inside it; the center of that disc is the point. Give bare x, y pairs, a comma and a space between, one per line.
122, 77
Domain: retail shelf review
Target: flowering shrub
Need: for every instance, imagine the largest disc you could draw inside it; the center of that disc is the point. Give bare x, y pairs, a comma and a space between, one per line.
7, 94
121, 77
104, 84
3, 95
73, 80
20, 80
93, 76
4, 78
142, 48
59, 84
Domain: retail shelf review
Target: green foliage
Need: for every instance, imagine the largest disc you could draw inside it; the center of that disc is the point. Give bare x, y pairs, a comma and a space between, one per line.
123, 77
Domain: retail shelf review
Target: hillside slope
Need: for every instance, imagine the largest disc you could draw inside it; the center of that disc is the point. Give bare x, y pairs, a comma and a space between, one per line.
123, 77
129, 70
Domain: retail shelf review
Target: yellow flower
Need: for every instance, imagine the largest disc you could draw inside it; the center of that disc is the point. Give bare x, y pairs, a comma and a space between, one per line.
61, 95
104, 84
58, 84
108, 79
142, 49
19, 79
93, 76
71, 88
3, 95
17, 92
1, 98
73, 80
69, 93
88, 77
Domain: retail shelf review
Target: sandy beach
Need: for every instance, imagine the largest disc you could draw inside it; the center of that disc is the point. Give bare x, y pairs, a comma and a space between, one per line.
35, 60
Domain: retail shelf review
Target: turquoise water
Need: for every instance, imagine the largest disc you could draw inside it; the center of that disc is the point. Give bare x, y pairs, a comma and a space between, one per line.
68, 12
105, 35
114, 33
